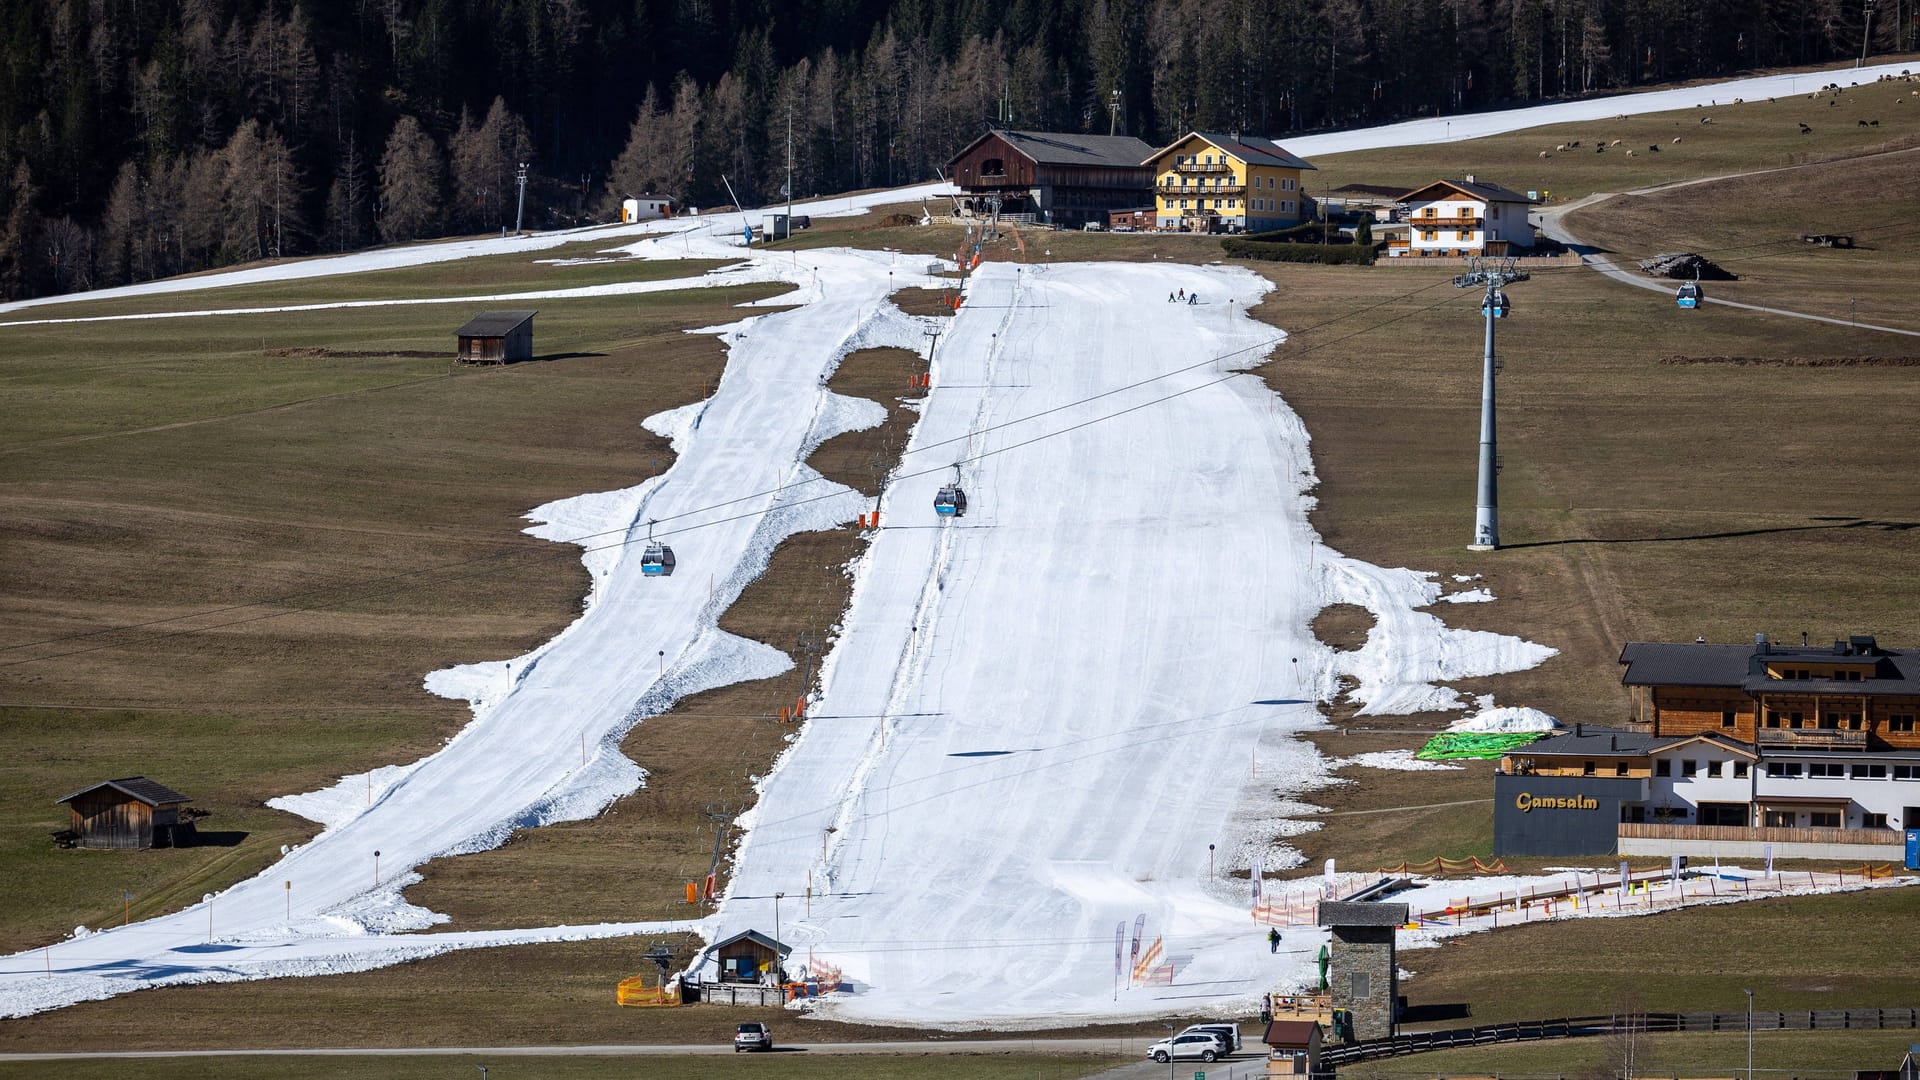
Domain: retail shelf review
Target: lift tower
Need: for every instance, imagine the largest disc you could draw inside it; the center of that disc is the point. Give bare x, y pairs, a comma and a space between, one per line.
1492, 275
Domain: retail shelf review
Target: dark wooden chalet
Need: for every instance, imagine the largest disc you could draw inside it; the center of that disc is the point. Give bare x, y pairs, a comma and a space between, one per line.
497, 337
130, 813
1059, 179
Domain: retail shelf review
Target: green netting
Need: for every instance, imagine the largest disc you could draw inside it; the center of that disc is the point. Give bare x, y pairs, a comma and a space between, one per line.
1473, 744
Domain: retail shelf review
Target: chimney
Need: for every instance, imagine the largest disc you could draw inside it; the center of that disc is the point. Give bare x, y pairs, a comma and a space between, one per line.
1613, 742
1760, 644
1579, 729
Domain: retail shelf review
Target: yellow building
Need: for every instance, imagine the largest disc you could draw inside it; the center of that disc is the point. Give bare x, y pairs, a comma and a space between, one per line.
1208, 182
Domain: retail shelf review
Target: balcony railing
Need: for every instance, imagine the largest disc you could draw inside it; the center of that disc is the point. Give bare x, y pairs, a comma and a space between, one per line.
1197, 167
1836, 738
1446, 222
1231, 188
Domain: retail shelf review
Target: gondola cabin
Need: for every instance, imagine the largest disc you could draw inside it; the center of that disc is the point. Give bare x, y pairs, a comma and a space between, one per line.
1689, 296
497, 337
128, 814
950, 502
1496, 304
656, 561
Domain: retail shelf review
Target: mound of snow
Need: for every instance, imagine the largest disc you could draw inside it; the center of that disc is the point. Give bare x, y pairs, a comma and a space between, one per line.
1507, 720
1397, 760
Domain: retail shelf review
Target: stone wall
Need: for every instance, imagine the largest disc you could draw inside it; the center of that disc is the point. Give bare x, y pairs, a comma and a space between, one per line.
1364, 978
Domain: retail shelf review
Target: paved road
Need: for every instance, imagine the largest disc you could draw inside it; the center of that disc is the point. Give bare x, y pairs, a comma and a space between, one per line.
1117, 1047
1551, 225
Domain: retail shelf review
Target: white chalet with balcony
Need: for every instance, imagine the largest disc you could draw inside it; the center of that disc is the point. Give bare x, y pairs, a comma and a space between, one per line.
1465, 217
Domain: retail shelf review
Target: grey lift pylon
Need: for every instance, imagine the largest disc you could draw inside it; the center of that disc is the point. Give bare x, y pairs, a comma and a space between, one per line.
1492, 276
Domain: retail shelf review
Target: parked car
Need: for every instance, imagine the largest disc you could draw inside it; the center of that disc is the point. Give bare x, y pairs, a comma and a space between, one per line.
752, 1037
1205, 1045
1229, 1034
802, 221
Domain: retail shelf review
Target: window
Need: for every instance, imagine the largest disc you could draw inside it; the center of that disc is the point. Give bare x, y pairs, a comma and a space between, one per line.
1726, 718
1620, 768
1853, 721
1430, 237
1779, 819
1431, 211
1783, 768
1773, 717
1233, 204
1797, 720
1900, 722
1689, 768
1588, 771
1873, 821
1493, 210
1906, 772
1713, 769
1832, 770
1823, 819
993, 166
1739, 770
1869, 772
1663, 768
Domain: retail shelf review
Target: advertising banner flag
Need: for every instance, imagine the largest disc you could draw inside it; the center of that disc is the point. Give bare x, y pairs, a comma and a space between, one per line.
1255, 871
1139, 927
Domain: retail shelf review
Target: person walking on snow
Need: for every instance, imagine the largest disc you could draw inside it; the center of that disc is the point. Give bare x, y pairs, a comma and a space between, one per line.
1183, 294
1273, 940
1193, 298
1169, 298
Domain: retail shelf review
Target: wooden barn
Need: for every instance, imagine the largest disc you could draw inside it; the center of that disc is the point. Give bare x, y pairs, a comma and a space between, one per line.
128, 814
1053, 178
497, 337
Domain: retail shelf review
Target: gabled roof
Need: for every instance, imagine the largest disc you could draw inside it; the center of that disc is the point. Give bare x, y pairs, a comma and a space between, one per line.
1470, 188
1067, 148
1289, 1032
1588, 741
1744, 667
134, 787
1711, 738
494, 323
1251, 149
756, 937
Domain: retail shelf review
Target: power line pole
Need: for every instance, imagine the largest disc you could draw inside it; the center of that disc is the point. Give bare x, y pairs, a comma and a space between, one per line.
1486, 512
1866, 35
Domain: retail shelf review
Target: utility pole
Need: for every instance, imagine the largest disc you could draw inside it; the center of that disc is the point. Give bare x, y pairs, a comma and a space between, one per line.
1866, 35
1486, 512
1113, 110
519, 213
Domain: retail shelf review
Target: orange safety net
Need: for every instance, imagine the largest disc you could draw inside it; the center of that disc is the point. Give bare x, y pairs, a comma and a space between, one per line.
635, 991
1438, 865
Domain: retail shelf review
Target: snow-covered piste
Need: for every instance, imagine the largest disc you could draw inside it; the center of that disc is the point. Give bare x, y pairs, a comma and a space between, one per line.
1443, 129
1035, 720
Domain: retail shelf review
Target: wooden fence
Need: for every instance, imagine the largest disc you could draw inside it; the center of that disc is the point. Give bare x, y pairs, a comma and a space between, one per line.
1889, 837
1572, 1027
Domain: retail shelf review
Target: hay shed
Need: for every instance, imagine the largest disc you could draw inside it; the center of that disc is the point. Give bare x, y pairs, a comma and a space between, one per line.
128, 814
497, 337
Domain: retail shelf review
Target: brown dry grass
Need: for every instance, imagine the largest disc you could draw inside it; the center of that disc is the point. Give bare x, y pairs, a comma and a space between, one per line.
173, 478
1754, 224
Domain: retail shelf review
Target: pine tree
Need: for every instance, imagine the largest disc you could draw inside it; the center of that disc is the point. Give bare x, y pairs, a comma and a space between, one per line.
410, 180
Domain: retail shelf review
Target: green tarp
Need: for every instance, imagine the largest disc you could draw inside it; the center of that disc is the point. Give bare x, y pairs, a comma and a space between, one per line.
1473, 744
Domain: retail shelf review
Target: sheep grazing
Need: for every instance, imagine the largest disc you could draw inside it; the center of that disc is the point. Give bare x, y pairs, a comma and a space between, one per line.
1630, 153
1615, 142
1600, 148
1575, 144
1706, 120
1676, 140
1653, 148
1544, 155
1873, 123
1863, 123
1561, 148
1804, 129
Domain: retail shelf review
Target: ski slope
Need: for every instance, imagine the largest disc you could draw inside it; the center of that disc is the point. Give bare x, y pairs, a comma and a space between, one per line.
1443, 129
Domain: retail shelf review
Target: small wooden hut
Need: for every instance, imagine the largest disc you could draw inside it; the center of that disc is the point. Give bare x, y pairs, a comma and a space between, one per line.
497, 337
128, 814
749, 957
1293, 1047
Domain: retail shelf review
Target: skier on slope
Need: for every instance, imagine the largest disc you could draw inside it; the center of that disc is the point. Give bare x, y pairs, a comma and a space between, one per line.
1273, 940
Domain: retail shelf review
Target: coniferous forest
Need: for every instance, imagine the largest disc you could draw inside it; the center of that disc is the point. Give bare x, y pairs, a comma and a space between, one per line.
143, 138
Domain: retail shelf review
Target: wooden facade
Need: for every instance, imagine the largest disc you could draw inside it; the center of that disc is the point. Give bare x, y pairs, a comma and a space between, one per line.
497, 337
749, 957
1057, 178
128, 814
1793, 699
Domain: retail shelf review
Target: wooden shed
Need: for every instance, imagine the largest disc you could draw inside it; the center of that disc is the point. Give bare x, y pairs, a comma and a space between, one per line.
1293, 1047
128, 814
497, 337
748, 956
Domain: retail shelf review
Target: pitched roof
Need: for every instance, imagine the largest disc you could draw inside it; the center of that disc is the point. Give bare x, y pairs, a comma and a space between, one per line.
1744, 667
1471, 189
758, 938
1251, 149
134, 787
1067, 148
1289, 1032
494, 323
1586, 740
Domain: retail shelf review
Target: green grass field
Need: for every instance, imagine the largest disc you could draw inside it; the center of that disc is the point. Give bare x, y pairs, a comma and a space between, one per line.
796, 1066
1807, 1055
